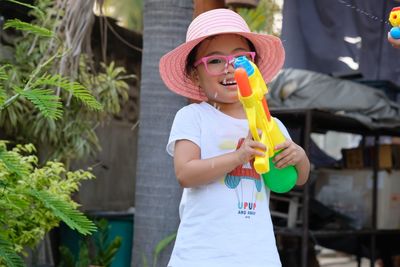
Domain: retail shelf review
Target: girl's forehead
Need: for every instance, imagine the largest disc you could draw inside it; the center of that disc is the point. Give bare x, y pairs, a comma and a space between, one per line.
223, 43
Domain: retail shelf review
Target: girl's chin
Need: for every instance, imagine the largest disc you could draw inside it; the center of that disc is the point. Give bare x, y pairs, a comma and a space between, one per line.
231, 87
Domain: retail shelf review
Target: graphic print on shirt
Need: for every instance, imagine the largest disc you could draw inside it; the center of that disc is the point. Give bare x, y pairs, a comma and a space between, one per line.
247, 184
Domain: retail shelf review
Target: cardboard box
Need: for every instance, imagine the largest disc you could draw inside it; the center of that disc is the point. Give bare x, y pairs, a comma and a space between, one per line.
353, 158
359, 158
350, 193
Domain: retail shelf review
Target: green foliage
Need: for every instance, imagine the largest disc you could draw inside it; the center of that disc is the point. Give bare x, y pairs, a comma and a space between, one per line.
261, 18
8, 255
158, 249
35, 199
129, 13
27, 27
104, 250
50, 97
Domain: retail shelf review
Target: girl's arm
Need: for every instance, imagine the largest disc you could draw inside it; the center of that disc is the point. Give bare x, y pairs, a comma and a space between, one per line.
191, 171
295, 155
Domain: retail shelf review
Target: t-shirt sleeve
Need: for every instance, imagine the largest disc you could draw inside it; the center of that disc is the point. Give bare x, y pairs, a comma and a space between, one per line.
186, 125
283, 128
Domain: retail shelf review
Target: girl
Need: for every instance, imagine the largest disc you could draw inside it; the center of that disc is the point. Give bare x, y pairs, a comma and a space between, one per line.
224, 211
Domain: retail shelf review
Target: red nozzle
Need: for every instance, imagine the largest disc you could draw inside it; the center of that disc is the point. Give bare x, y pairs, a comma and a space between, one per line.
242, 81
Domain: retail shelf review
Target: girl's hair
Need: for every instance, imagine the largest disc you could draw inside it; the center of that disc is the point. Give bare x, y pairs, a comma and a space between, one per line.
191, 58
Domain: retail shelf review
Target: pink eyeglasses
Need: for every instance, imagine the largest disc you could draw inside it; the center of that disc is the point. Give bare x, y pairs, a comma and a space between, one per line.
218, 64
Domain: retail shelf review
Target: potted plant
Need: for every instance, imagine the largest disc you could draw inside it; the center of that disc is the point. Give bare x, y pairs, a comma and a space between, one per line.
38, 105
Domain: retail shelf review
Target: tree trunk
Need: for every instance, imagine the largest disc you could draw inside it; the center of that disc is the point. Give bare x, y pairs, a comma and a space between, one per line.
157, 191
201, 6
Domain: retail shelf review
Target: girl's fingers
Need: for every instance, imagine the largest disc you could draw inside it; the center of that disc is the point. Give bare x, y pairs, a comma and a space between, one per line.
255, 144
283, 154
249, 136
282, 145
283, 162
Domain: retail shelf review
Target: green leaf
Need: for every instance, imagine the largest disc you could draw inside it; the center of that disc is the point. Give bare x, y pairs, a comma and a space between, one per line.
8, 256
75, 88
66, 256
66, 212
12, 161
161, 246
3, 76
84, 259
46, 101
27, 27
109, 253
144, 261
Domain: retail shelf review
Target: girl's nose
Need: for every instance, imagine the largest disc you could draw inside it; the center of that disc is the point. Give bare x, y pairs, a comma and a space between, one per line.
229, 67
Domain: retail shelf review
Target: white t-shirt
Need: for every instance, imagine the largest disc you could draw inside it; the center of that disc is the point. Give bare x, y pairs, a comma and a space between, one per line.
226, 223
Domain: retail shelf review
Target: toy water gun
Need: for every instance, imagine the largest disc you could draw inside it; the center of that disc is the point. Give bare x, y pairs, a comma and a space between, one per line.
252, 89
394, 19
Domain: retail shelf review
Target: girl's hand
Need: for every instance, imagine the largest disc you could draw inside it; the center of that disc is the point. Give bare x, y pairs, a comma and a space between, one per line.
394, 42
291, 155
249, 149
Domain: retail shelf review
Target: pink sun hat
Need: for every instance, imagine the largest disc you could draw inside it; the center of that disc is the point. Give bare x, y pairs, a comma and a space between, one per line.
270, 52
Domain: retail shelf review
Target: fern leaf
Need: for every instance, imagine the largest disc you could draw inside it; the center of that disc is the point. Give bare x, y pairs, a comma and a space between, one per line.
12, 162
3, 95
8, 256
45, 100
3, 74
28, 27
75, 88
66, 212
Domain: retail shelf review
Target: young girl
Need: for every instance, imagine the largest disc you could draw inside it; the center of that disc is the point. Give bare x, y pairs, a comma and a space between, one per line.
224, 212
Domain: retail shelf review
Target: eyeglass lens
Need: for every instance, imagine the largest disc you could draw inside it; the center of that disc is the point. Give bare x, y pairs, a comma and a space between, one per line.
218, 64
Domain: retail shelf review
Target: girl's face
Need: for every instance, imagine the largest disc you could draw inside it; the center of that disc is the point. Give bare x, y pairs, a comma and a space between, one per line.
221, 88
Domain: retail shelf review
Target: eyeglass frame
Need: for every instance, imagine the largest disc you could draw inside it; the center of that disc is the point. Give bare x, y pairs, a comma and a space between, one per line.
229, 59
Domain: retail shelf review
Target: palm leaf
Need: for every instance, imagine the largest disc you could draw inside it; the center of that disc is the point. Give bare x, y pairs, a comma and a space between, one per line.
66, 212
12, 161
45, 100
161, 246
75, 88
8, 256
27, 27
255, 18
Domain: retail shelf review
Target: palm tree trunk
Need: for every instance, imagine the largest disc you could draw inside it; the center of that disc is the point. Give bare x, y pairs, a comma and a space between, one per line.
201, 6
157, 191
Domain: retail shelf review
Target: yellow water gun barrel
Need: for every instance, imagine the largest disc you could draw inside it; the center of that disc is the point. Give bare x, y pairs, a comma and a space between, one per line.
251, 91
253, 107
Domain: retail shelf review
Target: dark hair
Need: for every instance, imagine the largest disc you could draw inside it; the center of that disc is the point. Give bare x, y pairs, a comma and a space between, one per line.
191, 58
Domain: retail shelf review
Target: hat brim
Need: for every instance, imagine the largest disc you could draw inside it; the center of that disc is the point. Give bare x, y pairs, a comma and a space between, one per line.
270, 59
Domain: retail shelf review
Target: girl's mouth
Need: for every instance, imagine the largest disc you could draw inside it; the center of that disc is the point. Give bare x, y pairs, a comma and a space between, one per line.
231, 84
